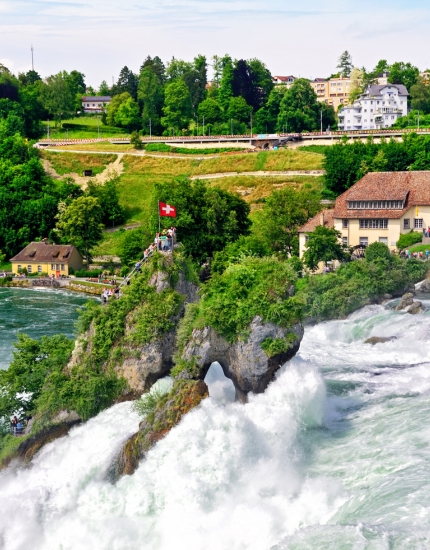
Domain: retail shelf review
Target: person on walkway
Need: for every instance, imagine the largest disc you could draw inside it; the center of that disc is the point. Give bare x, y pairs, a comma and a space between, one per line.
13, 425
427, 254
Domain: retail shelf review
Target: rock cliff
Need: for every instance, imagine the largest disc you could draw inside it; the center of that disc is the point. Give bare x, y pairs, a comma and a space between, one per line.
245, 362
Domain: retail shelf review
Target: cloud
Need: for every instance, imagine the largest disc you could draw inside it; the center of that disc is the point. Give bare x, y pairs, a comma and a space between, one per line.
303, 38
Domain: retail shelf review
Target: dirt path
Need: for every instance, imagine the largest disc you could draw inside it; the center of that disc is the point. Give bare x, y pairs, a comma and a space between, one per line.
315, 173
113, 169
134, 154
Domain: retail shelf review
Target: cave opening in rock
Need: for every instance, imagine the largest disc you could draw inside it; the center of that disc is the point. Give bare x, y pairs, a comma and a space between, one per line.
221, 388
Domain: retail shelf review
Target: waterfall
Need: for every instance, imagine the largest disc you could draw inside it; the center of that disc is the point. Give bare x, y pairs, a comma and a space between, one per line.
335, 454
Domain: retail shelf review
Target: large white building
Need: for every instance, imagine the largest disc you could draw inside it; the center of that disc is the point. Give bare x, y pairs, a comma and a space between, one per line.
379, 107
95, 104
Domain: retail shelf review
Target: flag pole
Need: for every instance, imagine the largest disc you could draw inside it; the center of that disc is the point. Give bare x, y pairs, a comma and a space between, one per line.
159, 220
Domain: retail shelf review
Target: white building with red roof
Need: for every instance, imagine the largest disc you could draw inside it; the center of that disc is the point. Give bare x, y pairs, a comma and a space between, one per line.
378, 208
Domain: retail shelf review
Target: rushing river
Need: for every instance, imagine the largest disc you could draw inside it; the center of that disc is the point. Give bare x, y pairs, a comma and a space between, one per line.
334, 455
36, 312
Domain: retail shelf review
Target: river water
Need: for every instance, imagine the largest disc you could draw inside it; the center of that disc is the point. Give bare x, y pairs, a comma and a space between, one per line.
334, 455
36, 312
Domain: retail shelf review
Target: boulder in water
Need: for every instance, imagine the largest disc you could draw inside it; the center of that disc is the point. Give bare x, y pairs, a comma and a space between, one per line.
407, 300
379, 340
416, 307
425, 286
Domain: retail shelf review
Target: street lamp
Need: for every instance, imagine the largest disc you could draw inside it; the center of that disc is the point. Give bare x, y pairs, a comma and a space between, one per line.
203, 125
231, 126
150, 128
251, 125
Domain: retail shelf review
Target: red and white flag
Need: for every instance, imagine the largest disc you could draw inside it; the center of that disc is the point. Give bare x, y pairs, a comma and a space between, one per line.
167, 210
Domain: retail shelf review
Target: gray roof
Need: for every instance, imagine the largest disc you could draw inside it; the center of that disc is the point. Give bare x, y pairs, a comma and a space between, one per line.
103, 98
375, 89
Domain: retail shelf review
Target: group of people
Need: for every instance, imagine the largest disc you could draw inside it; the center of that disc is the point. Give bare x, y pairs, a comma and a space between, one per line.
17, 426
110, 292
418, 255
426, 232
166, 239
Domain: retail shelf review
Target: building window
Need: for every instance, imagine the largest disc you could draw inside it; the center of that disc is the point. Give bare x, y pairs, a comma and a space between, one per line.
374, 224
39, 269
52, 267
364, 241
20, 268
306, 238
418, 223
62, 267
383, 240
57, 267
344, 224
345, 241
29, 269
406, 224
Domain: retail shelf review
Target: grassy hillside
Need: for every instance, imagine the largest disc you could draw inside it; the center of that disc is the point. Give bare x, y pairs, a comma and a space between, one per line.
66, 163
142, 172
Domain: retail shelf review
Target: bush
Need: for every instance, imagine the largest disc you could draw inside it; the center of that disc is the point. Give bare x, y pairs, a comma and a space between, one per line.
88, 273
377, 250
409, 239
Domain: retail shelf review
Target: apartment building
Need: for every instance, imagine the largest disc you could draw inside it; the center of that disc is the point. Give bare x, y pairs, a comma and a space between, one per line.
379, 107
334, 92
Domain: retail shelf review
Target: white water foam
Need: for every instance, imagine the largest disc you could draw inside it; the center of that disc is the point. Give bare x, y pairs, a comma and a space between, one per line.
335, 464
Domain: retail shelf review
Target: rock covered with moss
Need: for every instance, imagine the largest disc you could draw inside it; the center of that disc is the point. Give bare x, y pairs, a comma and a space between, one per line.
184, 396
249, 362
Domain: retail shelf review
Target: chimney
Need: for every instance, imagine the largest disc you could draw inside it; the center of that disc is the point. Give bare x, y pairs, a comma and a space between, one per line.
322, 218
45, 240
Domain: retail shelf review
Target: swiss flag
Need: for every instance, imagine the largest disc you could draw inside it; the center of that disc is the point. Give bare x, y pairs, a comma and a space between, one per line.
167, 210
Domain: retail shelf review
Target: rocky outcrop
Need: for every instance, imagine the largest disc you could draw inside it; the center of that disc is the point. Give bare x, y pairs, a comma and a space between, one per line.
31, 444
245, 362
144, 365
424, 286
184, 396
408, 304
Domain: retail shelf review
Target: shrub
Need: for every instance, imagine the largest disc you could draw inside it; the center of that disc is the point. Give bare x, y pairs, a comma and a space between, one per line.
377, 250
409, 239
276, 346
88, 273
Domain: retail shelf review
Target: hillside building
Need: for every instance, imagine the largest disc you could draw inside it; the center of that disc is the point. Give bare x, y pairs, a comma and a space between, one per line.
378, 208
287, 81
52, 259
95, 104
379, 107
334, 92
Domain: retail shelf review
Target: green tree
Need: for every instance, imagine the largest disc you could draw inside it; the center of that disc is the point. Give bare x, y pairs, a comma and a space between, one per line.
177, 106
108, 198
323, 245
210, 110
104, 88
266, 118
80, 224
299, 108
151, 94
238, 109
225, 91
345, 64
33, 361
420, 96
123, 111
57, 98
404, 73
285, 210
127, 83
376, 251
207, 217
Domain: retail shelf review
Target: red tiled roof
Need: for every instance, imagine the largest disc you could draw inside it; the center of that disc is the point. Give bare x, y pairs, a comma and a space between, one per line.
325, 217
413, 187
41, 252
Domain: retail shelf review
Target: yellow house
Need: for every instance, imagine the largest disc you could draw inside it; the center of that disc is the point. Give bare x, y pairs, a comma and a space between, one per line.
378, 208
53, 259
334, 92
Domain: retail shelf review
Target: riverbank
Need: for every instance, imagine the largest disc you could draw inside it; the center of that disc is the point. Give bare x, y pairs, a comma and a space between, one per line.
72, 284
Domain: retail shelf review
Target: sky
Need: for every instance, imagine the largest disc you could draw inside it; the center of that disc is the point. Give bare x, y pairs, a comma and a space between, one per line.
301, 38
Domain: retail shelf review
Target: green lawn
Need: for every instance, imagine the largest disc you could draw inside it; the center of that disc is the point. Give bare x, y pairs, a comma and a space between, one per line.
419, 248
65, 163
